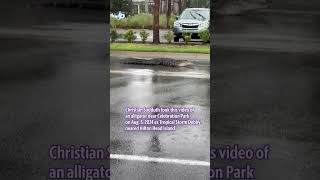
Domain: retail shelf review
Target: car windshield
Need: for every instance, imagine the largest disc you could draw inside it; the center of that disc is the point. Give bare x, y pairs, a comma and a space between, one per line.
201, 15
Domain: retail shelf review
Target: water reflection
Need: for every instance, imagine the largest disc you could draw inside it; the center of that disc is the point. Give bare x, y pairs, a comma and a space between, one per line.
155, 143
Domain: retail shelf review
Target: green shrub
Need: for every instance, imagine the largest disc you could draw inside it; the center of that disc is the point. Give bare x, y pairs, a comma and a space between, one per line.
130, 36
163, 21
205, 36
169, 36
186, 37
140, 21
113, 22
120, 36
144, 35
113, 35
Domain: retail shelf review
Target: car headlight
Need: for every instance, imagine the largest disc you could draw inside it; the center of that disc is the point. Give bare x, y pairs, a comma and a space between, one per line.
177, 24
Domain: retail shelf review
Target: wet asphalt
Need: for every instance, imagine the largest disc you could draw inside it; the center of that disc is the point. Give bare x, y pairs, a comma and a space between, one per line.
159, 86
53, 91
52, 87
266, 91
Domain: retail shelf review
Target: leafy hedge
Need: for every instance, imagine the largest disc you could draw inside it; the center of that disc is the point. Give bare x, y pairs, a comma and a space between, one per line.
140, 21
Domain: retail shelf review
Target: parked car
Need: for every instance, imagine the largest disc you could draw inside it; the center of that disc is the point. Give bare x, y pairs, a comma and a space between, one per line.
193, 21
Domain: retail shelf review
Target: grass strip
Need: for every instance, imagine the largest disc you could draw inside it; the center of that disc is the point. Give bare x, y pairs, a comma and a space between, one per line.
174, 48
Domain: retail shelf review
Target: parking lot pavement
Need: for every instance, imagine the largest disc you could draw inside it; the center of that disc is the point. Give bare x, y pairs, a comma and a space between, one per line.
181, 154
149, 170
50, 75
267, 92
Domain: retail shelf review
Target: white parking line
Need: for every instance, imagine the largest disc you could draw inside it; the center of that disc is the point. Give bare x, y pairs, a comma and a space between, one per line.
159, 160
196, 75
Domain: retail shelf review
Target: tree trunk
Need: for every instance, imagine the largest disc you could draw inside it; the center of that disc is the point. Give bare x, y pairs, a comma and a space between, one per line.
212, 17
183, 4
168, 13
130, 9
180, 6
156, 25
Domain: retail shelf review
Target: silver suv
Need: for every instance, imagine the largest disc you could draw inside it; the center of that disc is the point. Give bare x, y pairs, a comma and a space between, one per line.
193, 21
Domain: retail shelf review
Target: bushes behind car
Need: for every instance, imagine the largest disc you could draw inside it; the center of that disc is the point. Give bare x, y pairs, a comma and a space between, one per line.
140, 21
205, 36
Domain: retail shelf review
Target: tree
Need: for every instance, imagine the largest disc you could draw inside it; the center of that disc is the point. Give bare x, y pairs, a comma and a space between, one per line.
121, 5
168, 13
182, 5
156, 24
198, 3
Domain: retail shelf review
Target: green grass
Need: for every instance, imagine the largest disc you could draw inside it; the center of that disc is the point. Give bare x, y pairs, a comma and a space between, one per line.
175, 48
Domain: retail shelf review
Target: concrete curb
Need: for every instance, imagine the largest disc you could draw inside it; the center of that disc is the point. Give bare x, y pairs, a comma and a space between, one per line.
164, 55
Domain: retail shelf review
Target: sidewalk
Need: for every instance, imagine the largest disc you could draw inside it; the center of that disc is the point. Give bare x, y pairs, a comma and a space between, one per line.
178, 56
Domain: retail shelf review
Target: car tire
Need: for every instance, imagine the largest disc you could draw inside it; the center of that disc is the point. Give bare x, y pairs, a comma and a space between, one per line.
176, 39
